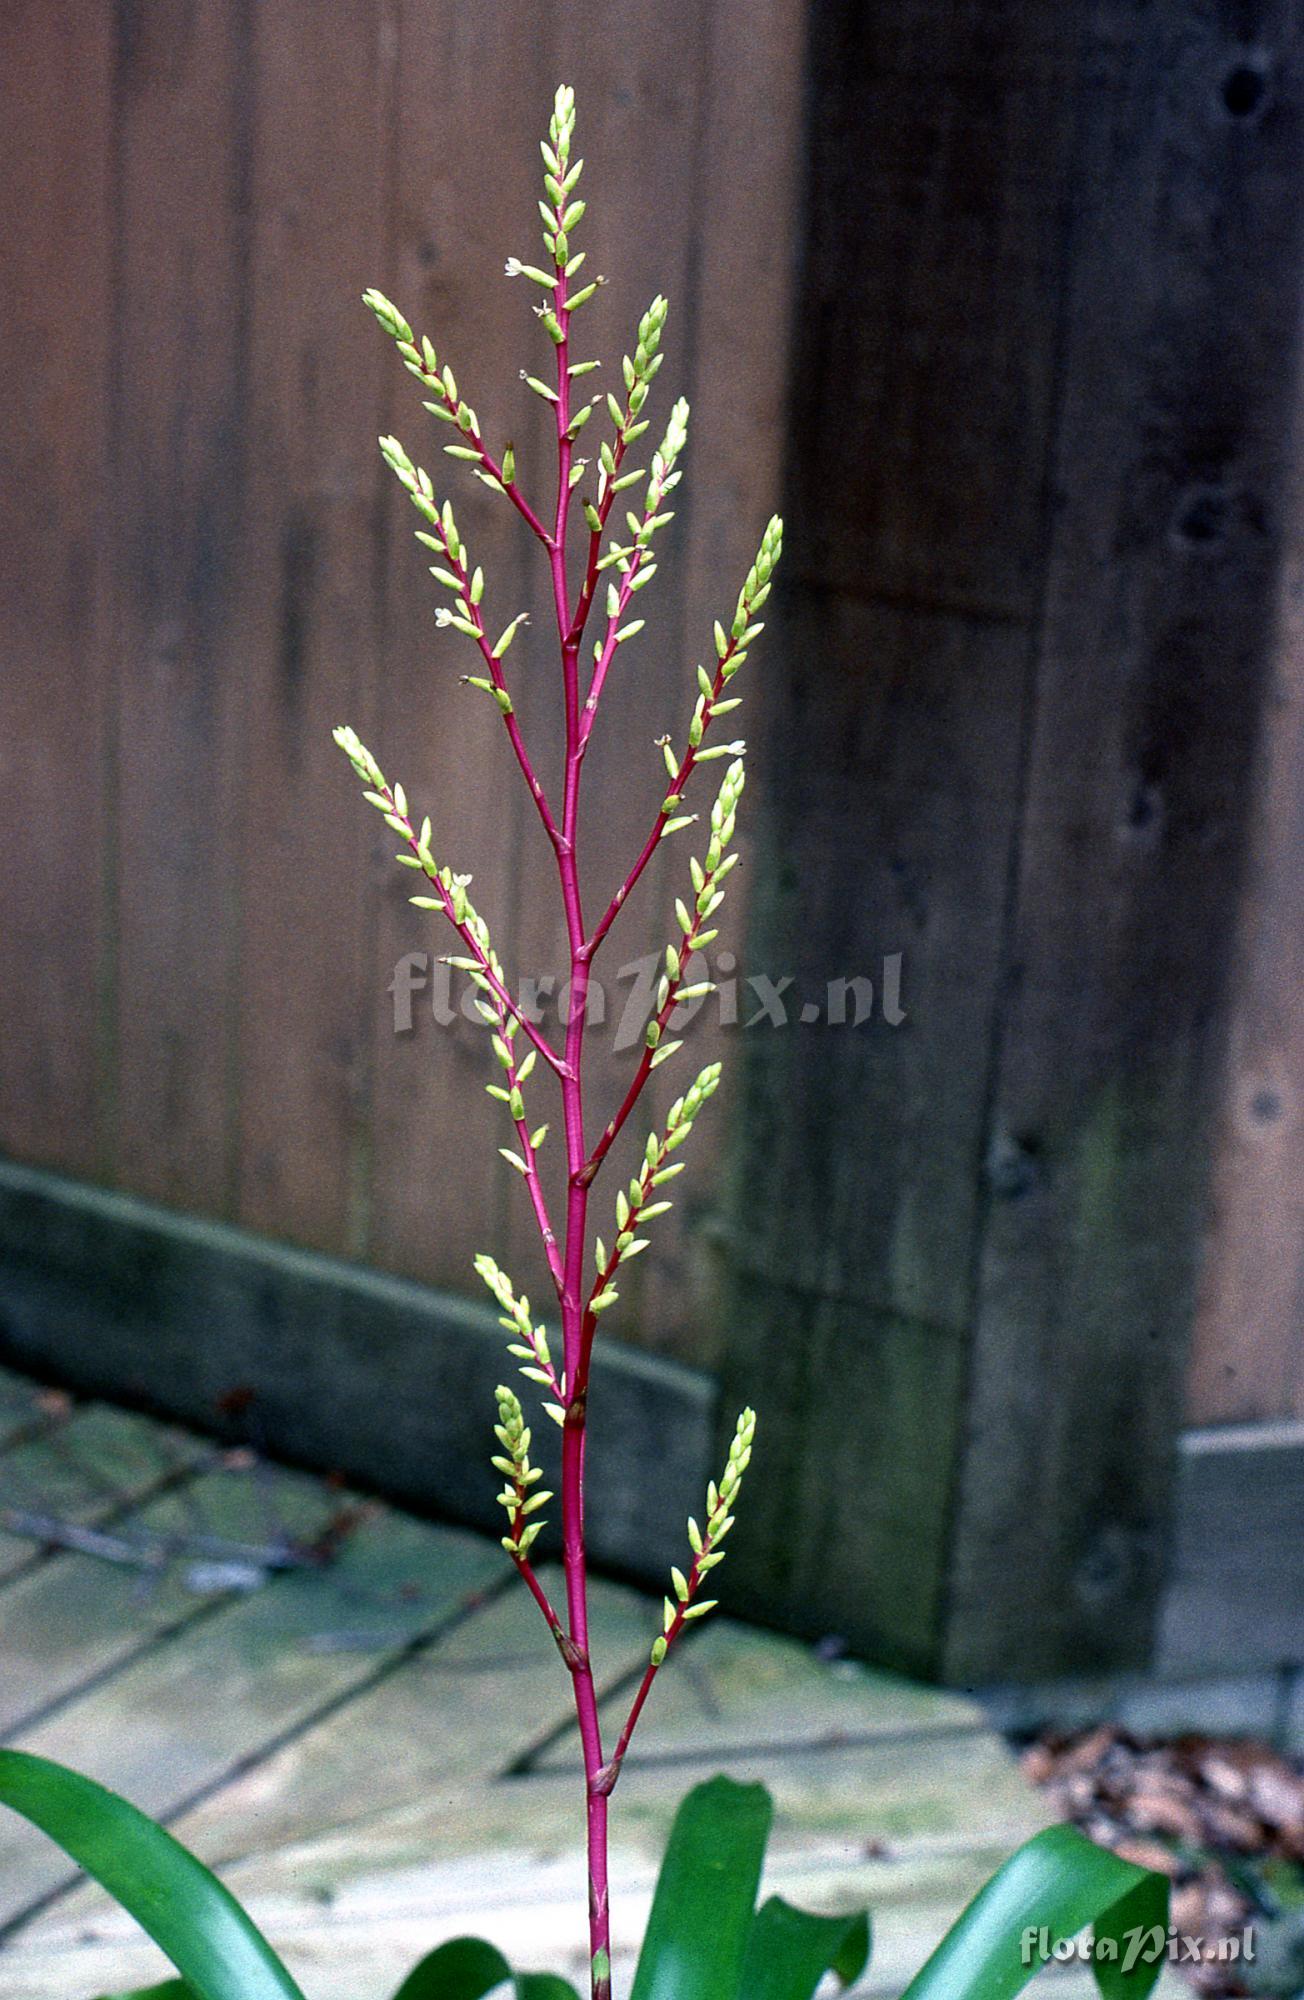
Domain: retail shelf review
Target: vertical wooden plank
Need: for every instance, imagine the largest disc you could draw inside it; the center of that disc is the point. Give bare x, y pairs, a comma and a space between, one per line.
55, 221
184, 105
638, 135
1169, 466
744, 208
921, 414
643, 102
439, 1188
305, 627
1234, 1588
1247, 1361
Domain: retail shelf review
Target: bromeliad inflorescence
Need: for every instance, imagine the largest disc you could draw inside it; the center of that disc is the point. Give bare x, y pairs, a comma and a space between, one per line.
705, 1938
595, 580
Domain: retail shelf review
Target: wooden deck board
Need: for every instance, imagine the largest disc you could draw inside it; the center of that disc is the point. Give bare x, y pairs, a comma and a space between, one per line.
23, 1408
74, 1618
358, 1945
181, 1717
462, 1713
734, 1688
89, 1468
351, 1916
378, 1753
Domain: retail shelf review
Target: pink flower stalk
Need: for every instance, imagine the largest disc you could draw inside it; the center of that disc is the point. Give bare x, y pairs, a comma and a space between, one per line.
629, 565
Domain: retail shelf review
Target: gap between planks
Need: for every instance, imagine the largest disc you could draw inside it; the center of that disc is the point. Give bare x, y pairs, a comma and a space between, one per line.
475, 1694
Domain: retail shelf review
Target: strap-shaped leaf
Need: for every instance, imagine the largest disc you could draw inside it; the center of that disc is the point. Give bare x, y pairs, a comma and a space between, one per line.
469, 1968
1141, 1914
789, 1951
463, 1969
702, 1911
1056, 1883
195, 1921
167, 1989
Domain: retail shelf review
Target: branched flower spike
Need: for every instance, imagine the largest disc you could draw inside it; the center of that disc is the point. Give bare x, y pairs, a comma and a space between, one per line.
707, 1552
704, 1940
530, 1344
633, 1210
595, 617
686, 1606
513, 1434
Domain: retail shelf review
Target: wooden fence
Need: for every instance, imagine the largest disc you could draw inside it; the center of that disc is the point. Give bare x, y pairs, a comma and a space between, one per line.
1005, 301
209, 567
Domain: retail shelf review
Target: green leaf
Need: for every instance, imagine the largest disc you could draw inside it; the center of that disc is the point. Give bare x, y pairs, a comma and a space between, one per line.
169, 1989
789, 1951
469, 1968
701, 1919
463, 1969
190, 1916
1057, 1881
1140, 1910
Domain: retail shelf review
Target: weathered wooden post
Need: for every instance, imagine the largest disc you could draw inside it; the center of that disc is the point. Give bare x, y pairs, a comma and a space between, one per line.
1044, 373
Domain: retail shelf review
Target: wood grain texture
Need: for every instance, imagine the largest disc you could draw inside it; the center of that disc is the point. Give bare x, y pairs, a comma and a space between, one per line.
643, 94
347, 1924
1247, 1349
748, 229
1025, 645
1036, 367
940, 154
738, 1692
304, 633
176, 1719
1159, 581
178, 1315
1234, 1597
76, 1618
351, 1857
183, 108
438, 1187
88, 1467
237, 178
938, 142
56, 204
464, 1710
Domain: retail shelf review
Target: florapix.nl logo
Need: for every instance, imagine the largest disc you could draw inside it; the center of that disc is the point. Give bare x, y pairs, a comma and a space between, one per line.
426, 988
1142, 1944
